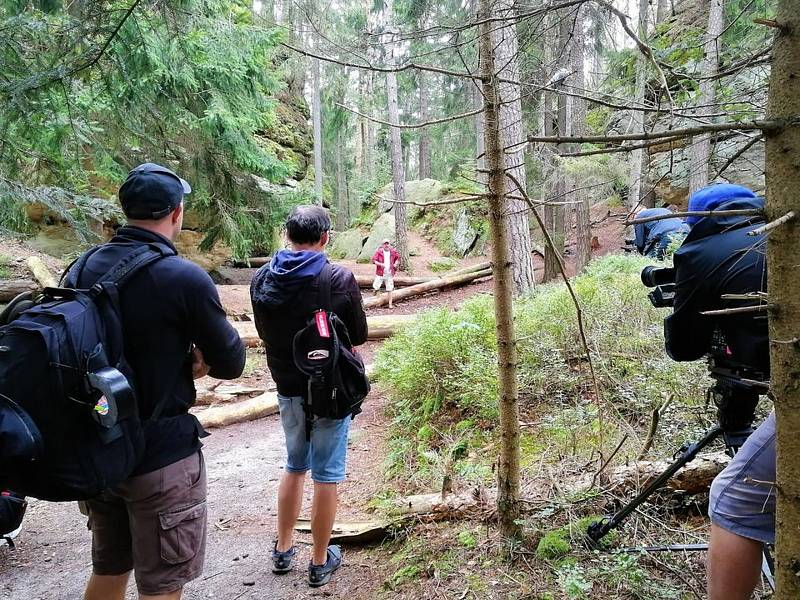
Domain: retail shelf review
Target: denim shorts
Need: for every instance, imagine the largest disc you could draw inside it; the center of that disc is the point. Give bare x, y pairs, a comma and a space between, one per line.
325, 454
742, 498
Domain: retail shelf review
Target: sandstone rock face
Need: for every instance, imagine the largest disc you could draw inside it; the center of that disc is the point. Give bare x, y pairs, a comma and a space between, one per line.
347, 245
422, 191
381, 230
187, 245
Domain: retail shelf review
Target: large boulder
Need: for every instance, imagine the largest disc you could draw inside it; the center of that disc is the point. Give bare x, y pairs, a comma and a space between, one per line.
422, 191
347, 245
465, 236
381, 230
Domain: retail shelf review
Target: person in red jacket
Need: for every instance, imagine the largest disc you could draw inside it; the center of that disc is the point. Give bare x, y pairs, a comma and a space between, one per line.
386, 260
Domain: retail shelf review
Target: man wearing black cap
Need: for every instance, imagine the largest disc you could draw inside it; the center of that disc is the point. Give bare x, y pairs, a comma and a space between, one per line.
175, 331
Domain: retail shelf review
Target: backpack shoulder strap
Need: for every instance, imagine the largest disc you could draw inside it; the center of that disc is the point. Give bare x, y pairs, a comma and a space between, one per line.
325, 278
134, 261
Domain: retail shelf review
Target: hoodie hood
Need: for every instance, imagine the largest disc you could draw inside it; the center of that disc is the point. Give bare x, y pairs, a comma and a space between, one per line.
713, 196
278, 283
648, 233
708, 226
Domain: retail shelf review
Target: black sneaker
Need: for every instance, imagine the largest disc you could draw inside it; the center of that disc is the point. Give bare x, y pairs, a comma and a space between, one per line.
282, 561
319, 575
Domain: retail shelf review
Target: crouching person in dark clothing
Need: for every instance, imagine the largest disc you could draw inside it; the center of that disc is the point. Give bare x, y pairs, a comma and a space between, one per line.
285, 295
175, 331
654, 238
717, 258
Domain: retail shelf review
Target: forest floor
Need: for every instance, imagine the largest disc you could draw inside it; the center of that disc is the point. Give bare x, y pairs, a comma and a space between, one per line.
459, 559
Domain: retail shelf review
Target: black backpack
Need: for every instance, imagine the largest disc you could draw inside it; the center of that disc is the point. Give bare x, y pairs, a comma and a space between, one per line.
337, 379
69, 421
12, 509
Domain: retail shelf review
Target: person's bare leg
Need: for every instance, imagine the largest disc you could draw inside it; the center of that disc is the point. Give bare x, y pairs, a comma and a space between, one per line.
734, 565
390, 300
106, 587
290, 501
176, 595
323, 514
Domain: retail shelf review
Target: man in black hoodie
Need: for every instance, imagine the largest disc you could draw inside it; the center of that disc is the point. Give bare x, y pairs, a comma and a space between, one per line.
718, 257
285, 295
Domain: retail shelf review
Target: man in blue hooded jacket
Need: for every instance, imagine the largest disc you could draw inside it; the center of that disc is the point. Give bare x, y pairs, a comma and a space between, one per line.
718, 257
285, 295
655, 237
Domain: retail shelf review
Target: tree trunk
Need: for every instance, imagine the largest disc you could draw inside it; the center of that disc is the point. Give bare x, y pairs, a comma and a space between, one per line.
342, 204
637, 116
396, 149
663, 11
583, 228
700, 150
316, 115
508, 497
424, 138
783, 248
480, 150
512, 140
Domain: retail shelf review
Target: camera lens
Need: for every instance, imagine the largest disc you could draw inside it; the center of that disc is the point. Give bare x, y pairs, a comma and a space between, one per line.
653, 276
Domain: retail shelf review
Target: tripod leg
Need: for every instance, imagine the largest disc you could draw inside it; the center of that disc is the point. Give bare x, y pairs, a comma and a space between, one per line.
768, 568
599, 529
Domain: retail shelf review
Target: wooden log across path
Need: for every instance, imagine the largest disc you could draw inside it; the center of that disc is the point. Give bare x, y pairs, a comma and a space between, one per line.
237, 412
365, 281
455, 279
11, 288
379, 327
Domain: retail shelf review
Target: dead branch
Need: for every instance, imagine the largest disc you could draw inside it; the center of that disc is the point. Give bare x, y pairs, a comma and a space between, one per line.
737, 311
624, 147
651, 433
745, 212
773, 224
449, 119
738, 153
763, 125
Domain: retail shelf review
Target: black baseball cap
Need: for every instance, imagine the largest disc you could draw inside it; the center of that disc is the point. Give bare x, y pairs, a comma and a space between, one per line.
151, 192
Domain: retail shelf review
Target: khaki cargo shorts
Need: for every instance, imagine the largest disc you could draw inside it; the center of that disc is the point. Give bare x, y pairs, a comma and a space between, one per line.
154, 524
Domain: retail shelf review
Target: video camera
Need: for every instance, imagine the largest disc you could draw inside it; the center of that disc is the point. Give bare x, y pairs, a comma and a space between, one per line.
662, 280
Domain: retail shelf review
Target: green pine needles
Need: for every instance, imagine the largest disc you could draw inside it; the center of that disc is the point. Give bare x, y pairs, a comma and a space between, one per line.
91, 91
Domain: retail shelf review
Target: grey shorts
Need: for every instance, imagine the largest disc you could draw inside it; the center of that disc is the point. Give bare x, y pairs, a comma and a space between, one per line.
154, 524
742, 498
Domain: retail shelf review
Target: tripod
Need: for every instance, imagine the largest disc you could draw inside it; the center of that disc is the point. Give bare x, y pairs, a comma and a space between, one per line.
736, 399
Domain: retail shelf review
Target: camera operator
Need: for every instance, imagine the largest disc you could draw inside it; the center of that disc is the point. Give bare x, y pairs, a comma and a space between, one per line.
653, 238
717, 258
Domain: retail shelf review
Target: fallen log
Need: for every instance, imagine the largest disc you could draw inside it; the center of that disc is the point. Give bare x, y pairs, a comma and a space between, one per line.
433, 506
694, 478
225, 394
365, 281
237, 412
352, 532
41, 272
256, 261
441, 283
380, 327
11, 288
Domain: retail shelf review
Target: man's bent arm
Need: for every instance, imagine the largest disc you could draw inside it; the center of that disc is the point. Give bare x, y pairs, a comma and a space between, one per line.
222, 347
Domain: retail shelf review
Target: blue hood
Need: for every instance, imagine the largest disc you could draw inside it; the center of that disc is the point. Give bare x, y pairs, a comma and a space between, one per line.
648, 234
278, 283
712, 196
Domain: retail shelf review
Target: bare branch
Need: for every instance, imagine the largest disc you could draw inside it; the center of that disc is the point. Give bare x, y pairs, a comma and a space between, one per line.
737, 311
746, 212
764, 125
623, 148
449, 119
773, 224
736, 155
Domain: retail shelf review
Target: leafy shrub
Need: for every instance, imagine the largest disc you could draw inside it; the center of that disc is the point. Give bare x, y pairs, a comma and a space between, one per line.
442, 370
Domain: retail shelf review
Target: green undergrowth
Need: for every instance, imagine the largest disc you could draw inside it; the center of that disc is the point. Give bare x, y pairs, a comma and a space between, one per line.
441, 376
5, 268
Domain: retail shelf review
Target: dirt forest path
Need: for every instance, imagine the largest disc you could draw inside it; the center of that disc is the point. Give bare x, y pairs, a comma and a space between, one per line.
245, 462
